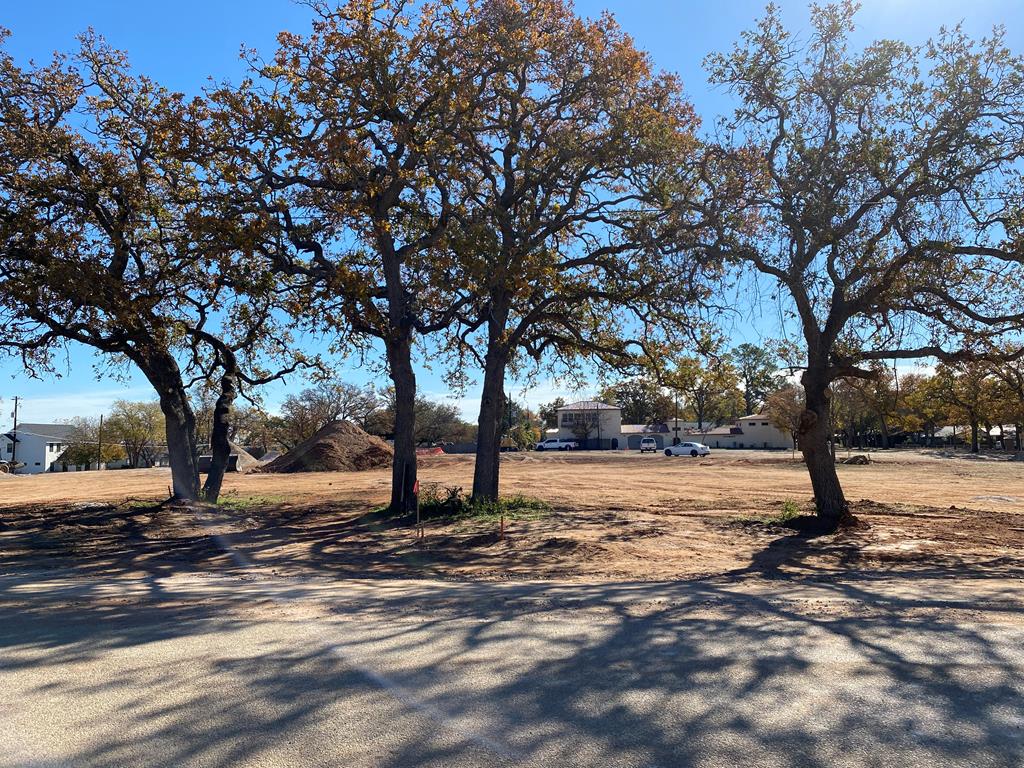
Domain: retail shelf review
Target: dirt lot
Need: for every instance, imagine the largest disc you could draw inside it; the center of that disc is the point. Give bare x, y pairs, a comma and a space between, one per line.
621, 516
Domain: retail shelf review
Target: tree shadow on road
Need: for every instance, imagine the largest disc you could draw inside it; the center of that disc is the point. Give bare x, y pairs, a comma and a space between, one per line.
673, 674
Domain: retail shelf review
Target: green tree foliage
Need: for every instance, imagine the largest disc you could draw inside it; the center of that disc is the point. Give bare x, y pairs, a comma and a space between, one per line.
641, 399
548, 412
758, 371
708, 387
87, 442
436, 423
969, 393
139, 427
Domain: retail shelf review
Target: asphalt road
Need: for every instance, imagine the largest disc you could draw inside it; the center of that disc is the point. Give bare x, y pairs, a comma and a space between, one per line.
206, 670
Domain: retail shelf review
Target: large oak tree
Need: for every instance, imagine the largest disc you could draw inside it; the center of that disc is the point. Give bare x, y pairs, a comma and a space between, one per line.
882, 198
564, 249
346, 138
110, 237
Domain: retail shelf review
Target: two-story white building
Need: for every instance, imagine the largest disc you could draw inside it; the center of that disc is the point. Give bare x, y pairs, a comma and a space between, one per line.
597, 425
37, 446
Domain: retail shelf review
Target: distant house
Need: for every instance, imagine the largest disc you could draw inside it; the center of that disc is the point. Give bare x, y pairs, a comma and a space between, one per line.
753, 431
37, 446
597, 425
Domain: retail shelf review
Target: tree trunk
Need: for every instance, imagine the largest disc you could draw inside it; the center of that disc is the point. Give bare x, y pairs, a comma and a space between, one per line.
403, 468
884, 428
815, 445
975, 446
220, 444
1020, 435
162, 371
488, 442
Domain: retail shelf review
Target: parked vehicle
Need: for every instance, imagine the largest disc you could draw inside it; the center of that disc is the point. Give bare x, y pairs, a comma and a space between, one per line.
648, 444
688, 449
557, 444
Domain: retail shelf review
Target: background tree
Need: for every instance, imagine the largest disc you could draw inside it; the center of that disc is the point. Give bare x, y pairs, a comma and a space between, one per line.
548, 412
520, 426
920, 409
784, 408
876, 199
851, 414
140, 429
254, 428
1010, 372
965, 389
306, 413
758, 372
877, 398
641, 399
708, 387
89, 446
436, 423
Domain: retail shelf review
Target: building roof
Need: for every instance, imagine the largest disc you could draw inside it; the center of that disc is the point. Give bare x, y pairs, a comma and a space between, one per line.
589, 405
56, 431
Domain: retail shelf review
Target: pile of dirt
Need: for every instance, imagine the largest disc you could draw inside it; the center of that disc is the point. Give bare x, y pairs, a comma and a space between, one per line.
340, 446
246, 461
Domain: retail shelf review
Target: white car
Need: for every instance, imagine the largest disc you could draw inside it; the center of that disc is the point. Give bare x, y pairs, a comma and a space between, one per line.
648, 444
557, 444
688, 449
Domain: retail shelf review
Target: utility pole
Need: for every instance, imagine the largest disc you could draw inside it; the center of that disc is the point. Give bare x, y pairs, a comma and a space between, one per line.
99, 445
14, 433
675, 399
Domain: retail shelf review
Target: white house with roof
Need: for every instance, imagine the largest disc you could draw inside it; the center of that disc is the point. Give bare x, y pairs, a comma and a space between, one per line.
599, 425
753, 431
37, 446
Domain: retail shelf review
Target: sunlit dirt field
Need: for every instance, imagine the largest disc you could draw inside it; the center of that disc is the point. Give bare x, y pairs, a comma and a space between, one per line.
613, 516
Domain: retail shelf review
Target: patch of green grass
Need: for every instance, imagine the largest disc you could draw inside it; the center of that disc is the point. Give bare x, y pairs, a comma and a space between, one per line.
237, 503
452, 504
140, 504
790, 511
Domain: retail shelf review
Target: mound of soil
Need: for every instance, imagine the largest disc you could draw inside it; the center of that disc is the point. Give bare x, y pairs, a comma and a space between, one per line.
246, 461
340, 446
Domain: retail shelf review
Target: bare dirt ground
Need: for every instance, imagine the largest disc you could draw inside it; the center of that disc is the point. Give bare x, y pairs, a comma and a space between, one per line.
613, 516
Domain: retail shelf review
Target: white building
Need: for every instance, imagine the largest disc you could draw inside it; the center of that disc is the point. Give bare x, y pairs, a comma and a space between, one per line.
753, 431
37, 446
598, 425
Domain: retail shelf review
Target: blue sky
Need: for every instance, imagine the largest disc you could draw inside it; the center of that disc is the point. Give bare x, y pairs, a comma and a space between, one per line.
184, 43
